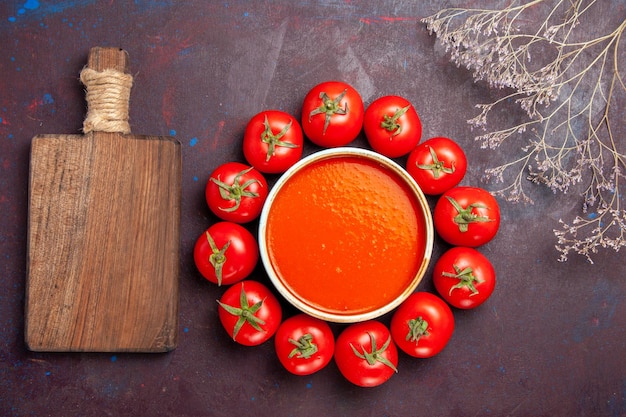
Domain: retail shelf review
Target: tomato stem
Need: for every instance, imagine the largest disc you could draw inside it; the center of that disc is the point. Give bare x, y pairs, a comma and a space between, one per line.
217, 258
274, 140
246, 313
466, 278
376, 355
304, 347
465, 216
329, 108
437, 167
390, 124
236, 191
417, 328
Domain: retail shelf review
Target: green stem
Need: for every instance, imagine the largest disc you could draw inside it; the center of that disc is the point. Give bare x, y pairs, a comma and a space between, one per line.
246, 313
304, 347
236, 191
274, 140
466, 278
465, 215
390, 124
376, 355
329, 108
417, 328
437, 167
217, 258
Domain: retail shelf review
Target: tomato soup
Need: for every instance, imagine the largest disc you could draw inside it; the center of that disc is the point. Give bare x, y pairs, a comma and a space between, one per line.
346, 235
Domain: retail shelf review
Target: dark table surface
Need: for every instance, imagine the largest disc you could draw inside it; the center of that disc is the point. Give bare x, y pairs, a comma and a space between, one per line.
549, 342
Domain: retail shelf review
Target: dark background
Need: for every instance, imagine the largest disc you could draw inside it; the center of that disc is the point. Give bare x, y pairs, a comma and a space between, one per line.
550, 342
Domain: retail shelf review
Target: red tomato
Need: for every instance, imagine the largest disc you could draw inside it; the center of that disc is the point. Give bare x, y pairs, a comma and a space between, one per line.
272, 141
366, 354
467, 216
332, 114
464, 277
392, 126
422, 325
236, 192
304, 344
437, 165
226, 253
250, 313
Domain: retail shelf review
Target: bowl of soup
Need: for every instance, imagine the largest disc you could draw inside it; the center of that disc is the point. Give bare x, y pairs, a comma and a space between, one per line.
346, 235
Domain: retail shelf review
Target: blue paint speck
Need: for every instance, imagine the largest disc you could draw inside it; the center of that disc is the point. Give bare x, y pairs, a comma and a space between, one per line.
245, 14
48, 373
193, 141
172, 132
195, 178
113, 358
31, 4
12, 19
47, 99
592, 215
186, 330
309, 385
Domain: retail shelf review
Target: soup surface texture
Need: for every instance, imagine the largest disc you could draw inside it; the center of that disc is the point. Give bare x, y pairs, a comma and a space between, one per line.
345, 235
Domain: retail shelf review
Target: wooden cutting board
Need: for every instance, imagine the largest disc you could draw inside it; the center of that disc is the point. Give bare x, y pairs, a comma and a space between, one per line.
103, 228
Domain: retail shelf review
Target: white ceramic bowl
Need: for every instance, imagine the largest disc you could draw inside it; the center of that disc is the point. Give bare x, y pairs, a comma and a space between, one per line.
301, 258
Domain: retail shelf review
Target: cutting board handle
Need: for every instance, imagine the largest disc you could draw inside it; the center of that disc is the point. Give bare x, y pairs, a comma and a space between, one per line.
108, 85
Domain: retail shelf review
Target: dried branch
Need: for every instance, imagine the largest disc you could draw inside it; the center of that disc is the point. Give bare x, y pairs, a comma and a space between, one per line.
568, 88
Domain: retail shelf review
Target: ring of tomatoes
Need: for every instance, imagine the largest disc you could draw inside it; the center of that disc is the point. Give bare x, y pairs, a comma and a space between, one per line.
365, 353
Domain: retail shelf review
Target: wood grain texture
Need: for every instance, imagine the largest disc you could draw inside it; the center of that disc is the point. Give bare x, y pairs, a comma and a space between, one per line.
103, 240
